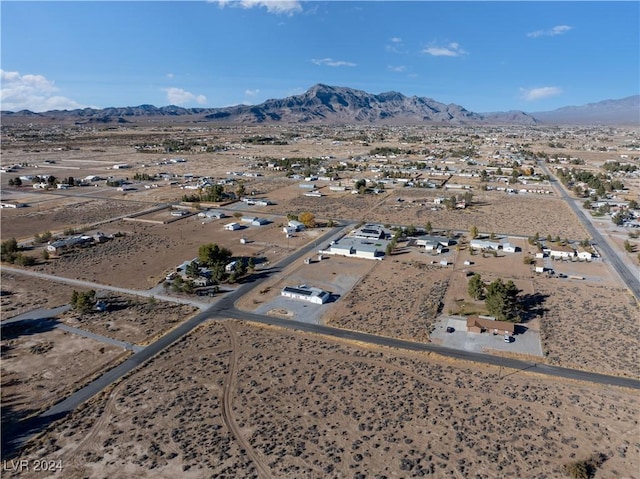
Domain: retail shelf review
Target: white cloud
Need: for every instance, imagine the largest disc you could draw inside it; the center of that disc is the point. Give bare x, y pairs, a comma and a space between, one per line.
279, 7
533, 94
31, 92
397, 69
170, 75
395, 46
330, 62
251, 92
552, 32
450, 50
178, 96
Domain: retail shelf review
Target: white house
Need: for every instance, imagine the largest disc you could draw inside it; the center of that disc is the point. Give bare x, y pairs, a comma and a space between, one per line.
509, 248
232, 226
299, 226
493, 245
560, 251
357, 248
584, 255
215, 214
306, 293
370, 231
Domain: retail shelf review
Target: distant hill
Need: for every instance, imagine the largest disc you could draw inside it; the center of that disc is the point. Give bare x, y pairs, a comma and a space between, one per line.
328, 104
324, 104
625, 111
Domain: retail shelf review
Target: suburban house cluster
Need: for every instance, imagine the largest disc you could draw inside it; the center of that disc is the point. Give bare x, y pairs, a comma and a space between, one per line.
61, 245
367, 242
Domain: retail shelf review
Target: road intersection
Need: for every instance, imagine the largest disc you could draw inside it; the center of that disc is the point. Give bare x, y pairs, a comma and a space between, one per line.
224, 308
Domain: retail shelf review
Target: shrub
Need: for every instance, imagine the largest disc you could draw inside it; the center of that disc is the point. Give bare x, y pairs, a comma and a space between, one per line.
24, 260
83, 302
585, 468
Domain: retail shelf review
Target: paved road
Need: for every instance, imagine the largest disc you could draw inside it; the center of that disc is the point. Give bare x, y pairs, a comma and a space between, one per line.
103, 339
628, 276
428, 347
42, 313
225, 308
97, 286
24, 430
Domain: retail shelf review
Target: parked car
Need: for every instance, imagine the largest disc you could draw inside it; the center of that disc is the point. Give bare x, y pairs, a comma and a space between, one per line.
450, 329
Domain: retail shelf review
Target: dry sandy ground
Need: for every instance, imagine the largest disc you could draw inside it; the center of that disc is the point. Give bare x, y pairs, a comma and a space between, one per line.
59, 214
233, 400
494, 212
142, 258
382, 304
22, 294
130, 320
589, 326
41, 366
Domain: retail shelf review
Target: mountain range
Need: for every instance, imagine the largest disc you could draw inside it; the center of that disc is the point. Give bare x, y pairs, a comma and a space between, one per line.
323, 104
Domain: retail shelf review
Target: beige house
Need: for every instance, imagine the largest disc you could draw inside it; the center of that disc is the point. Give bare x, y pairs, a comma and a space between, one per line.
475, 324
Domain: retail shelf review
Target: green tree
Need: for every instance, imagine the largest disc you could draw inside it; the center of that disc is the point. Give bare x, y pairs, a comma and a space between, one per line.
9, 250
360, 186
428, 228
211, 255
475, 287
501, 300
24, 260
474, 232
193, 270
241, 190
83, 302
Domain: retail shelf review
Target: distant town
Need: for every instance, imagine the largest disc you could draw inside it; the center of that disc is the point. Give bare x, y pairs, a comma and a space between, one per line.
287, 300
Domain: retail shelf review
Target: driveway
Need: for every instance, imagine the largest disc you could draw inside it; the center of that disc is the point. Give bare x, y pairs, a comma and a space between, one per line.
527, 343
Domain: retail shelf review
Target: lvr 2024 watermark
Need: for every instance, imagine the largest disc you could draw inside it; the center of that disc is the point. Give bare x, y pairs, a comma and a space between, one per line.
35, 465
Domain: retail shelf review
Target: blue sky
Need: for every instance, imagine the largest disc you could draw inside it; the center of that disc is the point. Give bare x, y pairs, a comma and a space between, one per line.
485, 56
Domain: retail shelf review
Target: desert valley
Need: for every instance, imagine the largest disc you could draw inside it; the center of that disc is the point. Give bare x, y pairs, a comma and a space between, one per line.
193, 297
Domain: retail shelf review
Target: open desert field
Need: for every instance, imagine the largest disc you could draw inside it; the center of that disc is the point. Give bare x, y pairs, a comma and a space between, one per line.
42, 365
234, 400
589, 326
60, 213
495, 212
400, 297
142, 257
131, 320
22, 293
